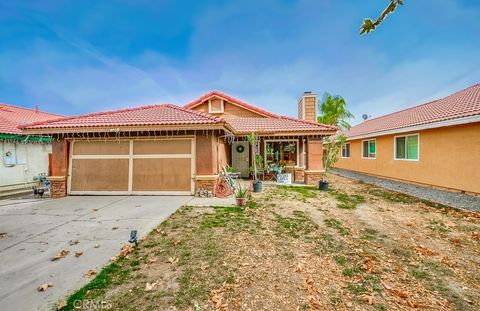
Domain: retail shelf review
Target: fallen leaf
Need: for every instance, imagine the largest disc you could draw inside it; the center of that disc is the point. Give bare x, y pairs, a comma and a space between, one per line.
62, 304
126, 249
149, 287
177, 242
44, 287
368, 299
74, 242
60, 255
152, 260
114, 228
78, 254
158, 230
89, 273
172, 260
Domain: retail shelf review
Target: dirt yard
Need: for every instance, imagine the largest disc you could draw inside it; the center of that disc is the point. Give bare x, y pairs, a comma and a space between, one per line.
356, 247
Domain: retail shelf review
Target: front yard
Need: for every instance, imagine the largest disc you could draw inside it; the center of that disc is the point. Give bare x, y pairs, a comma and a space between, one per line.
295, 248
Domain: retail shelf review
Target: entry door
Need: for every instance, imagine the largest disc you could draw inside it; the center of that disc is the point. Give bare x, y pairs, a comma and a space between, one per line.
240, 156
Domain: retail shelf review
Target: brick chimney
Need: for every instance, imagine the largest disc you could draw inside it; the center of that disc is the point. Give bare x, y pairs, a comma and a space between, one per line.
307, 107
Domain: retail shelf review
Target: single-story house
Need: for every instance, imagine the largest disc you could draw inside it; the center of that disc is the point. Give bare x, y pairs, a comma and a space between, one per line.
435, 144
168, 149
23, 156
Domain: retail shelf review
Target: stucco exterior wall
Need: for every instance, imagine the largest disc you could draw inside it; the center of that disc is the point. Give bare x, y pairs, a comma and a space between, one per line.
230, 111
449, 157
33, 160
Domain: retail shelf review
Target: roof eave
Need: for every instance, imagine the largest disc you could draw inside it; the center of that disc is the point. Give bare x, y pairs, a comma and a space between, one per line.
123, 128
420, 127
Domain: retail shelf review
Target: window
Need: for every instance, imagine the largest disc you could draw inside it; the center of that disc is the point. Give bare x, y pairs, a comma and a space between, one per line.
346, 150
215, 105
281, 152
369, 149
407, 147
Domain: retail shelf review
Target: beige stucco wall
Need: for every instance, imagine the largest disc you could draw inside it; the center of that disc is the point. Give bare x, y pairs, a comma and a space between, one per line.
449, 157
36, 156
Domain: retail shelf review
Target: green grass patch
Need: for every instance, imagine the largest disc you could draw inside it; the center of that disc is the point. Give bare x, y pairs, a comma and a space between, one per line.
113, 274
419, 274
299, 224
328, 244
336, 224
345, 200
369, 234
226, 216
306, 192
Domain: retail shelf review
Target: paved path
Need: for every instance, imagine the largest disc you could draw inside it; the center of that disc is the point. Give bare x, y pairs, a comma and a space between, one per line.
453, 199
38, 229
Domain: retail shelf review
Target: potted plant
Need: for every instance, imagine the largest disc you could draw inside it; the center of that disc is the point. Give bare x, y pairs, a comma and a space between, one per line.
241, 194
332, 149
257, 163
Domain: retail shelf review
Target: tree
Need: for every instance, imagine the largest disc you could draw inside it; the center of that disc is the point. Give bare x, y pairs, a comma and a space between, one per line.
333, 146
334, 111
369, 25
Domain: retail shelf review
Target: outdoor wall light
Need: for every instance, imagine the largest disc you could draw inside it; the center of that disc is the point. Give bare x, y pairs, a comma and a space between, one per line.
133, 237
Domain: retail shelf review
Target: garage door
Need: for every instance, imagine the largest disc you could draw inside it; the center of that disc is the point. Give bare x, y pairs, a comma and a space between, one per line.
132, 167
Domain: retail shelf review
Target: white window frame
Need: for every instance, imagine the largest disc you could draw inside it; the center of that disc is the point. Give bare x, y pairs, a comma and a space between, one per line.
395, 147
369, 140
350, 149
222, 106
281, 140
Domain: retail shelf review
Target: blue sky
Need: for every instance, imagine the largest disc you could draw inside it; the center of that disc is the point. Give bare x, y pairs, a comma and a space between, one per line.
75, 57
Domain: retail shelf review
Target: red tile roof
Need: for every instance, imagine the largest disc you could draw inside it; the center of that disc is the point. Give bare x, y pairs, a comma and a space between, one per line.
465, 103
276, 125
165, 114
12, 116
232, 100
168, 114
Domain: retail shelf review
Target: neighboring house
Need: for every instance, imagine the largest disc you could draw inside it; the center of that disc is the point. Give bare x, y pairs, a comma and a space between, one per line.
167, 149
436, 144
23, 156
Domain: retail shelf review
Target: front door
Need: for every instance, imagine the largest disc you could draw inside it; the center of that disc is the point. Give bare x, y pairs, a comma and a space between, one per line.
240, 156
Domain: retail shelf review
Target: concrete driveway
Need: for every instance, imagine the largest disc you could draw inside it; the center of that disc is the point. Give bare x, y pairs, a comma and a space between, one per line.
38, 229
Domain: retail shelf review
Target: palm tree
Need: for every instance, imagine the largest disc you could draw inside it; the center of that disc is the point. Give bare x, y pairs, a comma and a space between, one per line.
334, 111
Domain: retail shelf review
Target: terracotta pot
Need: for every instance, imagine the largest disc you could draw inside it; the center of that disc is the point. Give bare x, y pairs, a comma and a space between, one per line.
241, 201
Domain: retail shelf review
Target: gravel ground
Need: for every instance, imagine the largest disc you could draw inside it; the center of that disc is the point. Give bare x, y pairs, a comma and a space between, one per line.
453, 199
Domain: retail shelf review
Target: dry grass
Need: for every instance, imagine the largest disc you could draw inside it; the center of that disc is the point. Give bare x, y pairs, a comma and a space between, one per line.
357, 247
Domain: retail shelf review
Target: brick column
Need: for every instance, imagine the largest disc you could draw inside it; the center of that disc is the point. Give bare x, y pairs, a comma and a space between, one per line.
314, 166
58, 187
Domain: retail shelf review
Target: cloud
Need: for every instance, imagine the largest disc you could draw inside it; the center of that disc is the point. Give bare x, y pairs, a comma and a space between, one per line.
78, 58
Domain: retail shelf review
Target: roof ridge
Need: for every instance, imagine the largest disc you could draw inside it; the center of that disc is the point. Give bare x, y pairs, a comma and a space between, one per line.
232, 99
100, 113
30, 109
309, 122
420, 105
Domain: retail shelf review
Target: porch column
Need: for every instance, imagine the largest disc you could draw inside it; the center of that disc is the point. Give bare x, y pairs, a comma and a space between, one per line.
314, 166
206, 161
59, 169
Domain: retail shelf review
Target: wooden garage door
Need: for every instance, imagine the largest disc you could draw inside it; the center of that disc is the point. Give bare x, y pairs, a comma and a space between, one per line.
132, 167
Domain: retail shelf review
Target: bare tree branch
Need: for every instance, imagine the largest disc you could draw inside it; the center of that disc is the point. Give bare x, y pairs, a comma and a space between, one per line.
369, 25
